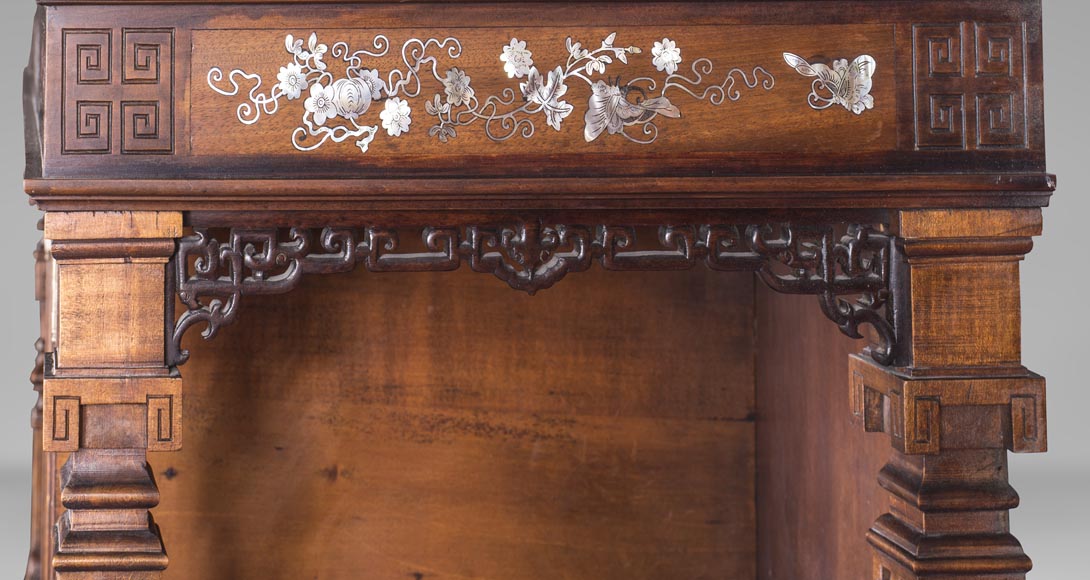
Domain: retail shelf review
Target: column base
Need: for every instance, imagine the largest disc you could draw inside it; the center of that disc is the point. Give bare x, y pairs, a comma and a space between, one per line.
108, 531
903, 553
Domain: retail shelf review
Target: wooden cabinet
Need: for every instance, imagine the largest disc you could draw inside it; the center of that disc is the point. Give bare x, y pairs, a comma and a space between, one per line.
723, 241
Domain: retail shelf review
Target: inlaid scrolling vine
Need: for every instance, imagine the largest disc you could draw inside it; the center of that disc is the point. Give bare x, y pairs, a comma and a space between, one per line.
334, 109
849, 270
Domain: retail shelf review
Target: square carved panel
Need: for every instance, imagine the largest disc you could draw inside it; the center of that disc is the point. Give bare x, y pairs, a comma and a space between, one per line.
142, 128
970, 86
88, 129
118, 91
1000, 121
944, 118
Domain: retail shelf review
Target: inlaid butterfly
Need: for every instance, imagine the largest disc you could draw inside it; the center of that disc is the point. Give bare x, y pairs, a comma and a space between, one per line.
842, 84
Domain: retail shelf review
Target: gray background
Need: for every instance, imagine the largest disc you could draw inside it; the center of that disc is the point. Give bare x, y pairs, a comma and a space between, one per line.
1052, 520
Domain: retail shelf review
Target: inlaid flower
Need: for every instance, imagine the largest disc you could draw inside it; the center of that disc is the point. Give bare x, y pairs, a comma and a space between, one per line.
396, 117
576, 50
352, 97
598, 64
292, 81
317, 51
321, 104
546, 93
517, 59
294, 45
374, 83
667, 56
457, 88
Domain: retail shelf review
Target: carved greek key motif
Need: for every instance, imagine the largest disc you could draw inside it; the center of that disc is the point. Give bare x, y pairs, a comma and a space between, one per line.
65, 399
123, 105
910, 411
64, 415
827, 261
970, 86
161, 427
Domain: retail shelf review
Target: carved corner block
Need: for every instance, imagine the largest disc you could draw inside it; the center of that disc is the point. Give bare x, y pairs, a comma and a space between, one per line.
66, 402
911, 411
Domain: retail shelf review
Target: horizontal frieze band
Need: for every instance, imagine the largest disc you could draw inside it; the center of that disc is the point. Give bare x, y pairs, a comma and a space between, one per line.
847, 267
538, 90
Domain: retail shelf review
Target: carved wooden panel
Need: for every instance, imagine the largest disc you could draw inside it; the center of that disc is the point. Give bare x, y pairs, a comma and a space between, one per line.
970, 82
65, 401
730, 92
911, 411
118, 91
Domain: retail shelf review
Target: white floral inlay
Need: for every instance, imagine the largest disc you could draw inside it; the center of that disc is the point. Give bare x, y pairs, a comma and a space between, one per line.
396, 117
456, 86
320, 104
337, 109
374, 83
292, 81
667, 56
517, 60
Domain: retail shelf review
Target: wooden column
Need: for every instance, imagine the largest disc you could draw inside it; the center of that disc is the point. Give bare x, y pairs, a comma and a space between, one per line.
109, 396
957, 400
44, 464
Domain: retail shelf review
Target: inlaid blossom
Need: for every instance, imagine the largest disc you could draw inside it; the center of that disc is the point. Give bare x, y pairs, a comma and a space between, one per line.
338, 100
598, 64
321, 103
517, 59
292, 81
457, 88
396, 117
576, 50
294, 45
667, 56
374, 82
546, 93
317, 51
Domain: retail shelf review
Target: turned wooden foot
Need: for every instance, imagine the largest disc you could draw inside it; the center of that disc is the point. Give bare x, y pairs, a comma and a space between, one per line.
107, 526
947, 479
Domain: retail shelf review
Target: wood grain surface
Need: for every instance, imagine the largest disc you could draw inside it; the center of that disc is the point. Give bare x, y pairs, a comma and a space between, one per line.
815, 467
145, 109
442, 426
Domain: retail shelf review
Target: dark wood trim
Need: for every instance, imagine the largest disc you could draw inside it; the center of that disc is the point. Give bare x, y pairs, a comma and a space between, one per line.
796, 192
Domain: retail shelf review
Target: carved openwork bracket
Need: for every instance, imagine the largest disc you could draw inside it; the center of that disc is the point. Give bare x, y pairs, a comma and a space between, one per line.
828, 261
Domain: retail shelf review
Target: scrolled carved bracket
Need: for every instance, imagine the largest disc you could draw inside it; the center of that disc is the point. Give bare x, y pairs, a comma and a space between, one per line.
824, 260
